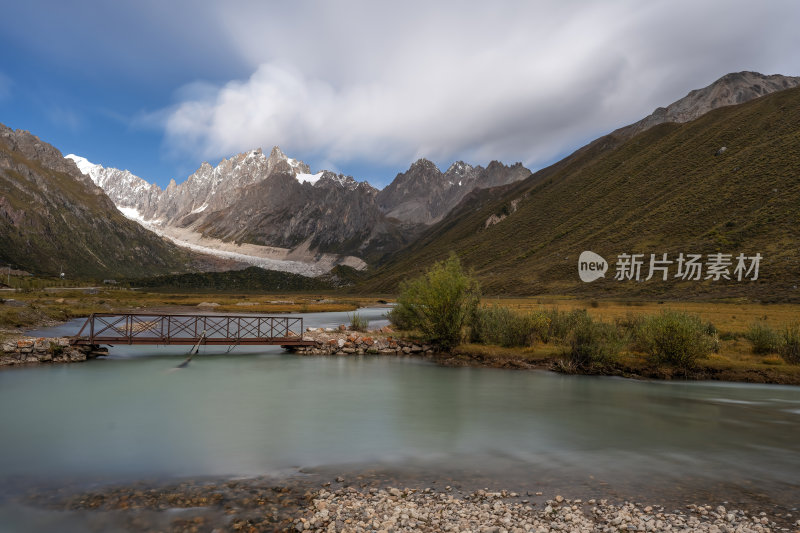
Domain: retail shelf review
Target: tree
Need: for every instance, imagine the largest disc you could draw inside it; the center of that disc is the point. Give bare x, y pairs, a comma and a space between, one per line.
439, 303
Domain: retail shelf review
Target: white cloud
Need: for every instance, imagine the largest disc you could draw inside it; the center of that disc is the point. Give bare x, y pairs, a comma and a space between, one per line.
387, 83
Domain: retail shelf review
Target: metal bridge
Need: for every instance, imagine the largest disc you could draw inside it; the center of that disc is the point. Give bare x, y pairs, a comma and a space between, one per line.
137, 328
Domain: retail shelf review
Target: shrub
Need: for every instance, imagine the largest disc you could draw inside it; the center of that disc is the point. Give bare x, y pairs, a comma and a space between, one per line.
562, 323
676, 338
500, 325
591, 342
790, 345
358, 323
438, 303
56, 349
764, 338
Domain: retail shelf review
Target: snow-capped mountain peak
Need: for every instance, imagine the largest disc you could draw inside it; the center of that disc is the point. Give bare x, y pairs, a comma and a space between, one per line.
124, 188
460, 169
87, 167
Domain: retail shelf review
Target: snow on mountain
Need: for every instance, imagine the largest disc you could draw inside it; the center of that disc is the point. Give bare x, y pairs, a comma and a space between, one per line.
87, 167
308, 178
124, 188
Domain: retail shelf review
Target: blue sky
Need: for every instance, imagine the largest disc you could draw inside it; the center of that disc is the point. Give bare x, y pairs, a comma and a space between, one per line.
364, 87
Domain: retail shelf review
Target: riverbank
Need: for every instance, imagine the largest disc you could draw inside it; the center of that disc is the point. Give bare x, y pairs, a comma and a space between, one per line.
365, 501
340, 342
634, 366
432, 511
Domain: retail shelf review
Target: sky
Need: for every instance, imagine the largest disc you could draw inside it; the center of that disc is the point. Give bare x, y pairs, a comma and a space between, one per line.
365, 87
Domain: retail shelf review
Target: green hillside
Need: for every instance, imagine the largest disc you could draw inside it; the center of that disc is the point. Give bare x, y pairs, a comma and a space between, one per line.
667, 190
52, 218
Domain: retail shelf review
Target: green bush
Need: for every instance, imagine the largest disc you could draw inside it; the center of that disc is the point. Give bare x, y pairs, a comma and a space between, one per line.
562, 323
439, 303
790, 345
591, 342
764, 338
500, 325
56, 349
676, 338
358, 323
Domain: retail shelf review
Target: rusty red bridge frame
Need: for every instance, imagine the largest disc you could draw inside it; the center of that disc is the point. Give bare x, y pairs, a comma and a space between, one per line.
144, 328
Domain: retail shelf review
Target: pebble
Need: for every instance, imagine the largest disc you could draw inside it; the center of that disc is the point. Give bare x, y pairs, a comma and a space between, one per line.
406, 510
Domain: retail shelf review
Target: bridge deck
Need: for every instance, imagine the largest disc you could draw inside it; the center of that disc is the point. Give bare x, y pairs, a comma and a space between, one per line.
184, 329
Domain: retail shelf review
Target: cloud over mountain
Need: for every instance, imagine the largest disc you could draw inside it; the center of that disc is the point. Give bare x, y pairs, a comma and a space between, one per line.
514, 81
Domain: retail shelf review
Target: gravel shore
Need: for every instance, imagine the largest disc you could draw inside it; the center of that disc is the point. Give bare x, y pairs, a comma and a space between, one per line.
368, 502
393, 510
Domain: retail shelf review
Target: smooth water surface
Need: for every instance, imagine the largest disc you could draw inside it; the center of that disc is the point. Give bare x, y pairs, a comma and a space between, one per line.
260, 411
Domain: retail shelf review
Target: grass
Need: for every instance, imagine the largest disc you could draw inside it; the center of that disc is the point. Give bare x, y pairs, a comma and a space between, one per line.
496, 356
358, 323
730, 317
34, 308
765, 340
790, 343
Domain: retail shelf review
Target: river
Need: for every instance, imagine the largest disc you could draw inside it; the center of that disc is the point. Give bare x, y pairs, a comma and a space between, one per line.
255, 411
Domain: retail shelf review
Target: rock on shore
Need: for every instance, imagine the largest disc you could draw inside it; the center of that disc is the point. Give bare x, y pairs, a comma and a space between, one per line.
398, 510
26, 350
342, 342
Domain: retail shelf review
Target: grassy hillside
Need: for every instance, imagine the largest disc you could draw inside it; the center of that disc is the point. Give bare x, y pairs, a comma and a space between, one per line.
53, 218
666, 190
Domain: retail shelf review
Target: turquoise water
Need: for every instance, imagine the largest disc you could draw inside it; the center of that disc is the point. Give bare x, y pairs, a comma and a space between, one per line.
262, 411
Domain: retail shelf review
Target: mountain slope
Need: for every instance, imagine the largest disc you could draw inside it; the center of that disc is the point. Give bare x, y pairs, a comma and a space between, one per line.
669, 189
52, 217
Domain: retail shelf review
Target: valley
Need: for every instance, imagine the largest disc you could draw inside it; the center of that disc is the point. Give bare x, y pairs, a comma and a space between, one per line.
458, 360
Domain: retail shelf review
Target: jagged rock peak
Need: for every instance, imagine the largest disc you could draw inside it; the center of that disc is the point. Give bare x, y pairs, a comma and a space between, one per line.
424, 164
459, 168
328, 178
731, 89
495, 164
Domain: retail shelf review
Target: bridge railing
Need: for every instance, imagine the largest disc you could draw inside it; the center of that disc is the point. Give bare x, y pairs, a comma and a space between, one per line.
143, 328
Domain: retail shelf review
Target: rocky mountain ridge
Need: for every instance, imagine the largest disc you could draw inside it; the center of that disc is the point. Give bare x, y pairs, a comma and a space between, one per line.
275, 201
731, 89
424, 194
